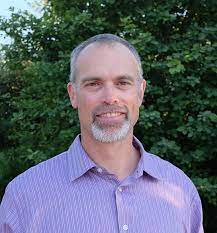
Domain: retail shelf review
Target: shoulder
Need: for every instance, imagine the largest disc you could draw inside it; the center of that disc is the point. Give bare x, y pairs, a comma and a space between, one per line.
48, 171
165, 171
171, 174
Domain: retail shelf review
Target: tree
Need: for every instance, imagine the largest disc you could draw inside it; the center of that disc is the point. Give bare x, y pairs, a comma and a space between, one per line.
177, 44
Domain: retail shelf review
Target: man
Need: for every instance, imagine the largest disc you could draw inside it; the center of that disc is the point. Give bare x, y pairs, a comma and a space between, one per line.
105, 182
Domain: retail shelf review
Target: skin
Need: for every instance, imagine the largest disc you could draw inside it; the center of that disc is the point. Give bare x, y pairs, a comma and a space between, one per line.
107, 81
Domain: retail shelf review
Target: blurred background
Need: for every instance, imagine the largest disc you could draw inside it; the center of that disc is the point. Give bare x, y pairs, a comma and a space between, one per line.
178, 47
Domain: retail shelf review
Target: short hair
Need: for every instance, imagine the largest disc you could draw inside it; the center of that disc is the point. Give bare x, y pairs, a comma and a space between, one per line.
102, 39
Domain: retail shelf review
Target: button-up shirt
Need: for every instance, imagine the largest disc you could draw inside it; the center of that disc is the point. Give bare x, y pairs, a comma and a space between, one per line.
69, 193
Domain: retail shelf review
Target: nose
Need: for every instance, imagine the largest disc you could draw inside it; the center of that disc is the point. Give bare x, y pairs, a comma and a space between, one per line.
109, 95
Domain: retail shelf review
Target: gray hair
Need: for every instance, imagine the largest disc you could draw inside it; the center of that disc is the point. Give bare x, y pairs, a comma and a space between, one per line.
104, 39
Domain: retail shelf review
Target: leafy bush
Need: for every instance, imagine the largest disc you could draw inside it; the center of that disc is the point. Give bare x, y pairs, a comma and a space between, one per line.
177, 44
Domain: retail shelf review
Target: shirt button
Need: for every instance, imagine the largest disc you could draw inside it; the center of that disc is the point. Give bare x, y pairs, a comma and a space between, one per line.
125, 227
120, 190
99, 170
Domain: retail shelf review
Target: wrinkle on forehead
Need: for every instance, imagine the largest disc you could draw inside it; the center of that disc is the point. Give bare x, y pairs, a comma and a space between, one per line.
97, 48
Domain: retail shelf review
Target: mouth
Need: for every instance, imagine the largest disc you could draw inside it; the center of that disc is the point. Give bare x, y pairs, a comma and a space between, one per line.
110, 114
108, 119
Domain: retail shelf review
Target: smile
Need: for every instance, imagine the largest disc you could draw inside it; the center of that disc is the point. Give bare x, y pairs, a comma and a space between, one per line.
110, 114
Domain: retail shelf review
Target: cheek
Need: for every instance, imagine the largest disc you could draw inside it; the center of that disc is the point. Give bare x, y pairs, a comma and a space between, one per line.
134, 107
86, 99
82, 102
85, 107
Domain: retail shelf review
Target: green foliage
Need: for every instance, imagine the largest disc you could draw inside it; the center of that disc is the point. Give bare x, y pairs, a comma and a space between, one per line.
177, 44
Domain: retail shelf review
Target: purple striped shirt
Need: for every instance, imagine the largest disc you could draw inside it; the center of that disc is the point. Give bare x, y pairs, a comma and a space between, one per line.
71, 194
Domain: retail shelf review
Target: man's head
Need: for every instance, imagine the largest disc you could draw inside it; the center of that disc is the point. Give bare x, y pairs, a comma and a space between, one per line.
106, 86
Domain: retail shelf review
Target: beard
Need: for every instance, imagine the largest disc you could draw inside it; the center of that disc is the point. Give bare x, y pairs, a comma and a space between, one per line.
111, 132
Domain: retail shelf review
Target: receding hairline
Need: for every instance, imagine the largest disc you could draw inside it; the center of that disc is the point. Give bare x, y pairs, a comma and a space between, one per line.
103, 40
98, 44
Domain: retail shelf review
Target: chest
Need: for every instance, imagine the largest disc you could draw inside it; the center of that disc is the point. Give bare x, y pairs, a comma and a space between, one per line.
104, 206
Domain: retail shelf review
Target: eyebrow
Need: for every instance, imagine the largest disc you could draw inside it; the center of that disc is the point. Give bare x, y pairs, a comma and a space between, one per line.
126, 77
88, 79
121, 77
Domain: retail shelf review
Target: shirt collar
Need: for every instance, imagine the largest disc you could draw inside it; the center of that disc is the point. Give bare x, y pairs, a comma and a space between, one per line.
79, 162
148, 163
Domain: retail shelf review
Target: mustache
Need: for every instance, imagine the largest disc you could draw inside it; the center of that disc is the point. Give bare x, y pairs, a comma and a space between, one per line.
102, 109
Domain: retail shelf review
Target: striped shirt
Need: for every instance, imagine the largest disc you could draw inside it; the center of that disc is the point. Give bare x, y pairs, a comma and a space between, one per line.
71, 194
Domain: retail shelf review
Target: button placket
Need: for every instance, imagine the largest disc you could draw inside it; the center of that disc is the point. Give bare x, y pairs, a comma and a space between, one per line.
121, 208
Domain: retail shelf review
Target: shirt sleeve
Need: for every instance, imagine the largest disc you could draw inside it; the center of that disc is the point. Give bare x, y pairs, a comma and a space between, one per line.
9, 217
196, 216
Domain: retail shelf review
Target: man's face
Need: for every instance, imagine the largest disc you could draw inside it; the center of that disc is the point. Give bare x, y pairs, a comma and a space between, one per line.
107, 91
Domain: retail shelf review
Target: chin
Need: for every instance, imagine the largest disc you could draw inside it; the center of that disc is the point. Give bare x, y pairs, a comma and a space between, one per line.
110, 134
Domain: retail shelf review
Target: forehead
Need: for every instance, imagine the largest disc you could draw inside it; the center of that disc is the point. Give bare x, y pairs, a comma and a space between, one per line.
100, 60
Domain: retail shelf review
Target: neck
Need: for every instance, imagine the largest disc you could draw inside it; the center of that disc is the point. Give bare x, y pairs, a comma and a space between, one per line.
119, 158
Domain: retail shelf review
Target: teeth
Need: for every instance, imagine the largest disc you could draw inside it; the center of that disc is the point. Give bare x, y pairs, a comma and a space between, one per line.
111, 114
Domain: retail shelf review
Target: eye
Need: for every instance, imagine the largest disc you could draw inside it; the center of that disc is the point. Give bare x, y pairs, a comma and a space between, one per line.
92, 84
123, 83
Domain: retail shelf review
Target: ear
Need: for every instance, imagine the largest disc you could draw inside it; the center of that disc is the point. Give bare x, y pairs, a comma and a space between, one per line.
142, 90
72, 94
